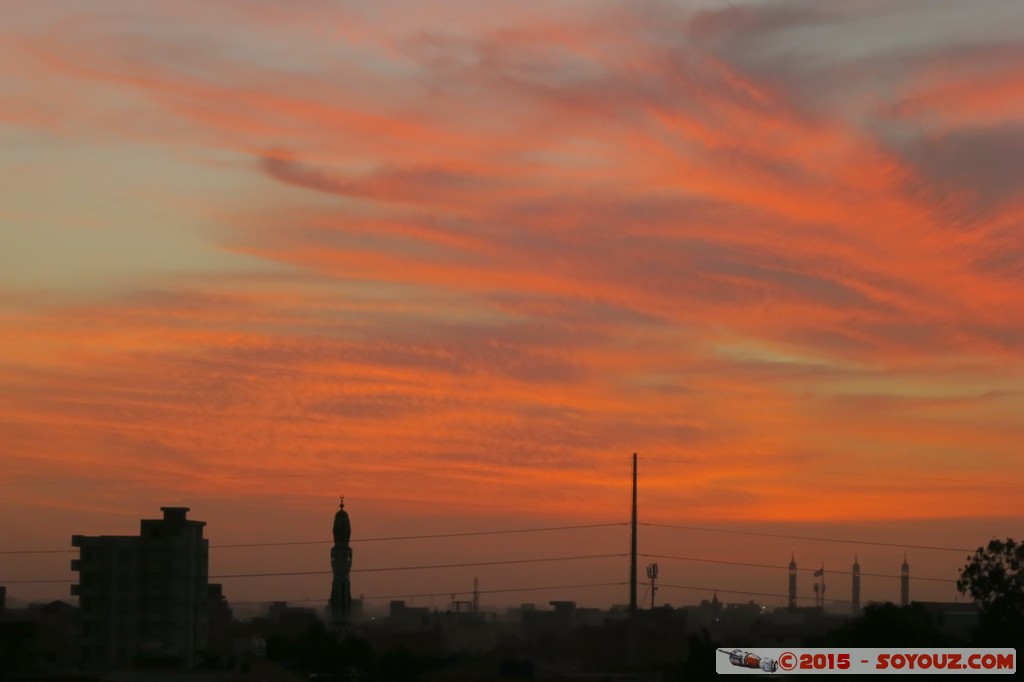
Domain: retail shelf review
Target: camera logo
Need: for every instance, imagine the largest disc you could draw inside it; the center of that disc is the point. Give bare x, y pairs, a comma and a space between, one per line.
745, 659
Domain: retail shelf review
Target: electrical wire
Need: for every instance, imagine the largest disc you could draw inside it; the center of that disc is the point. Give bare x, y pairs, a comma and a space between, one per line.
431, 536
449, 593
705, 529
782, 567
505, 562
744, 592
275, 574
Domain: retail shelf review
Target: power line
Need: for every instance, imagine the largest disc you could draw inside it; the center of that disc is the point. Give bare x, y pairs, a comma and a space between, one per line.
526, 589
357, 540
782, 567
744, 592
532, 560
429, 537
430, 566
703, 529
534, 530
807, 537
505, 562
448, 593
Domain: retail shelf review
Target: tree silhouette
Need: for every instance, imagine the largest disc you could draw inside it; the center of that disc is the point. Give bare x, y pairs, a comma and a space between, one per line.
994, 579
888, 625
699, 663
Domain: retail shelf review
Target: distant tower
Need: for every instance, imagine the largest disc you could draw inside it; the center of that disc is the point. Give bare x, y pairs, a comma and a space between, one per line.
792, 582
341, 564
856, 586
904, 583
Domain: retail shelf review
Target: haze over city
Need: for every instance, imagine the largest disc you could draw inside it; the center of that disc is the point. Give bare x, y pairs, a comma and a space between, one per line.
458, 261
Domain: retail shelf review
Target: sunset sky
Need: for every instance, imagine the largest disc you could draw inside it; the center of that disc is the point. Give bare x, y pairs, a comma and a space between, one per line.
459, 260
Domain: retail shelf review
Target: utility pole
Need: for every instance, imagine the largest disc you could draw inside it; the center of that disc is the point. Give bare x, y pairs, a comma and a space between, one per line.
632, 634
632, 548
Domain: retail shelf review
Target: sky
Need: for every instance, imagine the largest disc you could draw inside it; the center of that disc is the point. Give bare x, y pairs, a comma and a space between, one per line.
457, 261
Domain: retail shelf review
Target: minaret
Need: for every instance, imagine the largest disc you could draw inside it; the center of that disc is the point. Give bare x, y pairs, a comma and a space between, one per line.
792, 582
856, 586
905, 583
341, 564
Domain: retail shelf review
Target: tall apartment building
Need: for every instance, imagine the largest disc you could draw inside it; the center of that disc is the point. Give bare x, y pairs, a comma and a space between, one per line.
145, 596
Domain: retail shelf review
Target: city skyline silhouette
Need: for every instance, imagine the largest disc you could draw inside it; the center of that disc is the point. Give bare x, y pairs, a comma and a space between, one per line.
453, 556
150, 602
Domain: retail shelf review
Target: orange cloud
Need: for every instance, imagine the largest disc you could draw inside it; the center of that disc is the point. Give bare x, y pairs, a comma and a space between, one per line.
489, 261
